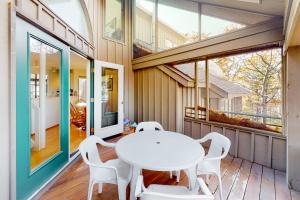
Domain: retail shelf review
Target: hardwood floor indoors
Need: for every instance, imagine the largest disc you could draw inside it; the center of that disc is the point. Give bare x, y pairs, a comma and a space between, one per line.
52, 144
241, 180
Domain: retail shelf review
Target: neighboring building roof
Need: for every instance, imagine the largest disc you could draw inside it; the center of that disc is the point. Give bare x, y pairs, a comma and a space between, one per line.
217, 83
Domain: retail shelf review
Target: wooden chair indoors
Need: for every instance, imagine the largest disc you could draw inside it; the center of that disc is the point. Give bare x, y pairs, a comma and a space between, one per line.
78, 118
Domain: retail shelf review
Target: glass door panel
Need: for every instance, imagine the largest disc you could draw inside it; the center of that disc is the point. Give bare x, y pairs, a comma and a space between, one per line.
44, 102
108, 95
79, 94
42, 108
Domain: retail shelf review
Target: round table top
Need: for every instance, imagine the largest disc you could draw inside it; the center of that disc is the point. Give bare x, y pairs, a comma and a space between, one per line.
159, 150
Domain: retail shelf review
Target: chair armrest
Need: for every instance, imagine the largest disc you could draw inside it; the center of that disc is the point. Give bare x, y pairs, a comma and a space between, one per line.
103, 167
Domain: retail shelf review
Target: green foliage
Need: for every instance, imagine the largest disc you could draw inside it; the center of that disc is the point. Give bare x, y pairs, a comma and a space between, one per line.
260, 73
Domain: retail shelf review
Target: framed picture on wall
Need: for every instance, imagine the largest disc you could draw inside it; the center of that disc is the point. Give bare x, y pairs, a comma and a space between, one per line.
110, 84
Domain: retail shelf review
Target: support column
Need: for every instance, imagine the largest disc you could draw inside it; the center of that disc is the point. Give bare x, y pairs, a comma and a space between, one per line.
293, 117
196, 91
207, 89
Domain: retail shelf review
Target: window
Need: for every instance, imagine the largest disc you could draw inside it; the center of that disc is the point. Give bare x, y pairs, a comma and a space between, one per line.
217, 20
144, 42
35, 85
114, 19
178, 23
245, 90
163, 24
242, 90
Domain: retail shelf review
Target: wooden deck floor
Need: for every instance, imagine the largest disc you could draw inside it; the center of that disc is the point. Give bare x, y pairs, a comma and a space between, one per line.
241, 180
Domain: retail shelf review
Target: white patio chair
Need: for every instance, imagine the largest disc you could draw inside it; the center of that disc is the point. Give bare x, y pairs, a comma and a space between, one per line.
211, 164
148, 126
112, 171
175, 192
153, 126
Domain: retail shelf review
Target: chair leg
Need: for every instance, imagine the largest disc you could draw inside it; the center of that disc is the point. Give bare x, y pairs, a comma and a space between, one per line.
177, 176
171, 174
100, 186
122, 191
220, 186
207, 179
90, 190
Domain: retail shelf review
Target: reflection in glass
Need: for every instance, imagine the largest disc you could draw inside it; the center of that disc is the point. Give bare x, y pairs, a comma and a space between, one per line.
44, 91
78, 100
109, 97
114, 19
178, 23
144, 42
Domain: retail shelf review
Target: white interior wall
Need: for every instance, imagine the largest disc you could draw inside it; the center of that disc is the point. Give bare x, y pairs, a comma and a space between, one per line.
4, 101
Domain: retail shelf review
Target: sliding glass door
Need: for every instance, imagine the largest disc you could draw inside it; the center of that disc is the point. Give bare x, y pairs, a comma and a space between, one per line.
42, 107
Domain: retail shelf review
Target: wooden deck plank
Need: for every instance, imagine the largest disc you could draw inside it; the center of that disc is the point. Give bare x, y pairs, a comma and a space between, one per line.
254, 182
240, 184
267, 191
281, 188
229, 178
213, 180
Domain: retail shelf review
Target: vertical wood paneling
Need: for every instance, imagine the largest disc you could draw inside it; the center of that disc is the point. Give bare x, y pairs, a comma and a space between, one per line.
145, 95
119, 55
140, 96
179, 108
165, 101
231, 135
136, 96
157, 91
172, 104
279, 154
261, 150
151, 99
244, 145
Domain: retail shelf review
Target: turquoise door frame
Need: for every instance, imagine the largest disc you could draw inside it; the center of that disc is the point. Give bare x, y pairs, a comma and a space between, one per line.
28, 181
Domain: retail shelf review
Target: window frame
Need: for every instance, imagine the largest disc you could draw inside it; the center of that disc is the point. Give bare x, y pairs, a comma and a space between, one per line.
104, 36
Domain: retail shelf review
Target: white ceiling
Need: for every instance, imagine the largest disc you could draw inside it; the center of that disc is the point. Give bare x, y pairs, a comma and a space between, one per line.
269, 7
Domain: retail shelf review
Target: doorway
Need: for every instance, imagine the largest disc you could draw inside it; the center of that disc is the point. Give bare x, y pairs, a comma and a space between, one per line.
79, 100
108, 92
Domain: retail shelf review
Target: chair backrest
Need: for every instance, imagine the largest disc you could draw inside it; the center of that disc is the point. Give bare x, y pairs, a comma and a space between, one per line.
219, 146
148, 126
146, 194
89, 150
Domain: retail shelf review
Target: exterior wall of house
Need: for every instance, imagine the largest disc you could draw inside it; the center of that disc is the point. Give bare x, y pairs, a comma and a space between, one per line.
4, 100
160, 98
293, 117
112, 51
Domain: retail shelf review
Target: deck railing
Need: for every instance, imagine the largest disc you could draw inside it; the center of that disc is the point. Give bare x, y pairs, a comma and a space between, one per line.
263, 147
271, 121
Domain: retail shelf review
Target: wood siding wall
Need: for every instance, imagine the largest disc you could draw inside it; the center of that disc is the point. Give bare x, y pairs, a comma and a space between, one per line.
254, 145
112, 51
158, 97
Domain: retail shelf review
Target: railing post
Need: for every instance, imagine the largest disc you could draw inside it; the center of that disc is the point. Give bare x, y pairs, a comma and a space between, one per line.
207, 89
196, 91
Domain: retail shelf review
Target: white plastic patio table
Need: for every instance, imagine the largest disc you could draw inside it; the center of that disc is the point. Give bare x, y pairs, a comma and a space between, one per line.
159, 151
